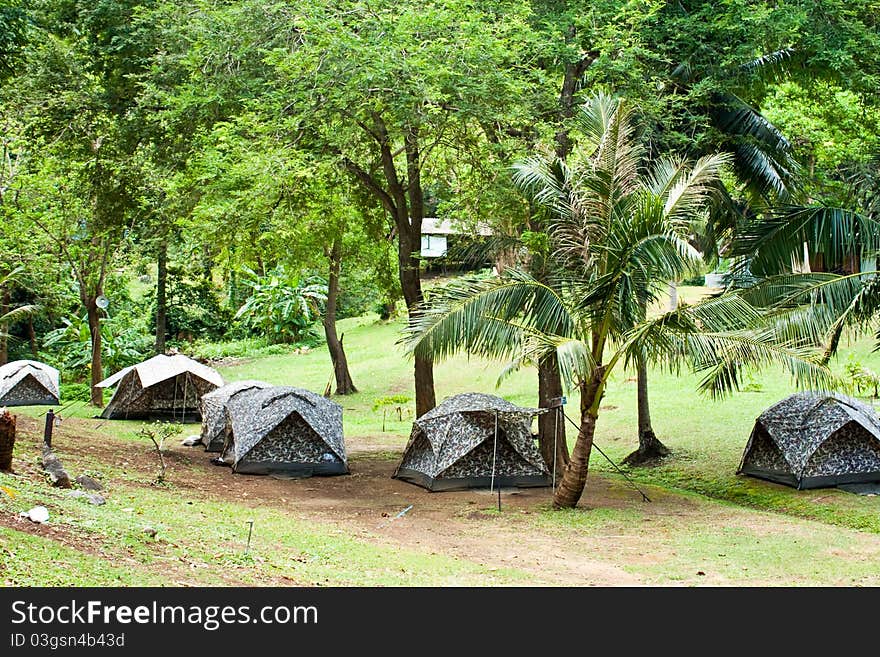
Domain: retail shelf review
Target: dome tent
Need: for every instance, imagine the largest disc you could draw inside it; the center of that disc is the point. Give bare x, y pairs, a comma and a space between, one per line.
284, 430
813, 440
213, 409
473, 440
162, 387
28, 383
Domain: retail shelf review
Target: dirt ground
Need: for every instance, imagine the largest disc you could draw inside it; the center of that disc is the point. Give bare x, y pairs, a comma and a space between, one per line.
464, 524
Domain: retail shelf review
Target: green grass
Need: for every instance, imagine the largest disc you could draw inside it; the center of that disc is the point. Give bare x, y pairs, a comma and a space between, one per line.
794, 532
206, 543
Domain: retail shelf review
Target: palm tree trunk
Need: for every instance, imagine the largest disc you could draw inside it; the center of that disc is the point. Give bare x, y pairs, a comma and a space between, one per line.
574, 479
551, 425
344, 384
161, 297
650, 447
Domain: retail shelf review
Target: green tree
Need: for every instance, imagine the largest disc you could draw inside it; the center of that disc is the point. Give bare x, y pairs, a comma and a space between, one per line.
392, 88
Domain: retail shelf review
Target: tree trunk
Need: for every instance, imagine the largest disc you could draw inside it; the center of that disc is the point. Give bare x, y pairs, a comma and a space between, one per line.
97, 373
650, 447
32, 337
409, 242
161, 297
551, 425
411, 285
571, 77
344, 384
574, 479
5, 303
404, 201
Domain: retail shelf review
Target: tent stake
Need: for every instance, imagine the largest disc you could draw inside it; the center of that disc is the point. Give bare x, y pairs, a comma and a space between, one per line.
250, 531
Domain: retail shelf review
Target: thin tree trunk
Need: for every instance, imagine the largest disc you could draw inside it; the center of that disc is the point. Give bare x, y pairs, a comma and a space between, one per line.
97, 370
574, 479
161, 297
571, 77
344, 384
650, 447
5, 303
404, 201
32, 337
409, 242
551, 425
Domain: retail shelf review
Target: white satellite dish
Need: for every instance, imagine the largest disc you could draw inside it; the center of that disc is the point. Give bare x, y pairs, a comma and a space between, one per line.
102, 302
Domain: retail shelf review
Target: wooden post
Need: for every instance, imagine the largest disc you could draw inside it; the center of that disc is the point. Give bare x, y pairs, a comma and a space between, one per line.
47, 431
7, 439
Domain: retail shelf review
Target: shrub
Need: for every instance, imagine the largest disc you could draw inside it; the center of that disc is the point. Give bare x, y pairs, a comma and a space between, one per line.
75, 392
281, 307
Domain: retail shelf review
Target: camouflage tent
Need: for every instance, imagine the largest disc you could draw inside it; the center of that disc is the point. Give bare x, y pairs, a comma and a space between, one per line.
163, 387
28, 382
811, 440
213, 408
473, 440
284, 430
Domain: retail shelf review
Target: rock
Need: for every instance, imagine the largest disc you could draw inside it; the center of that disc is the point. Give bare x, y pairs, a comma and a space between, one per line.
88, 483
38, 514
93, 498
52, 465
191, 441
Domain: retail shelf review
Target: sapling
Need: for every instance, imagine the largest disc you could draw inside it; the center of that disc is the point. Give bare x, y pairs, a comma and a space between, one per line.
158, 433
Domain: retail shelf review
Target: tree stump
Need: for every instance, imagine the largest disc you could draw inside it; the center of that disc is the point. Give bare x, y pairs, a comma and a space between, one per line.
7, 439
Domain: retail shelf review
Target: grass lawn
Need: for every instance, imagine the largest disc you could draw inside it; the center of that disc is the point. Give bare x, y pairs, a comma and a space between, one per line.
704, 524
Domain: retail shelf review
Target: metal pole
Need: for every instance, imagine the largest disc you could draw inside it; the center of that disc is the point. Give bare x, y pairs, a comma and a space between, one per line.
555, 449
494, 455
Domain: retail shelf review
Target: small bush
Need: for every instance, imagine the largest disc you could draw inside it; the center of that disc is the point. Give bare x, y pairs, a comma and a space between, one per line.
75, 392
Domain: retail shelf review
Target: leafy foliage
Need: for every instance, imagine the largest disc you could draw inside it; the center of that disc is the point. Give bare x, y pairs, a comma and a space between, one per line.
69, 346
282, 307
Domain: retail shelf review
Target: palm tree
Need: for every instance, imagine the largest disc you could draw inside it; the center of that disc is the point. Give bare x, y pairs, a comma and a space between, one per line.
616, 232
9, 315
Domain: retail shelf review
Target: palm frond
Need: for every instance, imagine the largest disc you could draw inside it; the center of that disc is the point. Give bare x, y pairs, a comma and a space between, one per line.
723, 337
18, 314
476, 317
775, 242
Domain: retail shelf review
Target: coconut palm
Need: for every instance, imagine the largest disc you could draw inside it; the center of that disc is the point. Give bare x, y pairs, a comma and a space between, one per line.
616, 232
